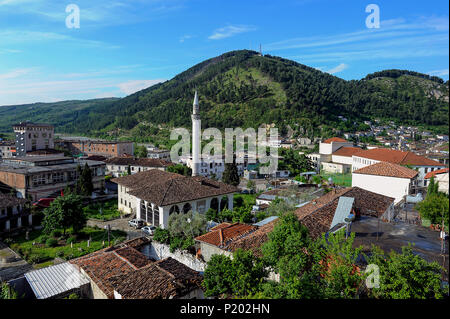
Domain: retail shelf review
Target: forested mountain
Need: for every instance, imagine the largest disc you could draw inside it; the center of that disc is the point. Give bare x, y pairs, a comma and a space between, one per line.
58, 113
242, 88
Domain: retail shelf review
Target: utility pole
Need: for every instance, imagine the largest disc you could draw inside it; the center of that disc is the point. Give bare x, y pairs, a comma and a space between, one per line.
109, 230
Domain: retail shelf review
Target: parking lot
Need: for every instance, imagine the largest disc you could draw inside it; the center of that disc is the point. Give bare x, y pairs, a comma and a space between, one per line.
120, 224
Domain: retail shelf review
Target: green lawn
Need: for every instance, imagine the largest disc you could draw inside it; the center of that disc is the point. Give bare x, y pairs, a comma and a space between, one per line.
42, 254
339, 179
103, 211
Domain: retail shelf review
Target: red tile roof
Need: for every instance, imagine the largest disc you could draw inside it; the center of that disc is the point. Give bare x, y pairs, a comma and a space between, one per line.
165, 188
397, 157
387, 169
222, 236
164, 279
334, 139
437, 172
144, 162
317, 216
106, 263
347, 151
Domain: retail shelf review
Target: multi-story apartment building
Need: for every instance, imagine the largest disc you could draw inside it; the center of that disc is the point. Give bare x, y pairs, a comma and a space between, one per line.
97, 147
7, 149
33, 137
38, 177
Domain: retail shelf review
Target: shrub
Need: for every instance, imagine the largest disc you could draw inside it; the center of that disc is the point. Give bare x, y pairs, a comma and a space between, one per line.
8, 241
175, 242
51, 242
43, 239
60, 253
161, 235
188, 242
34, 259
71, 240
73, 296
56, 233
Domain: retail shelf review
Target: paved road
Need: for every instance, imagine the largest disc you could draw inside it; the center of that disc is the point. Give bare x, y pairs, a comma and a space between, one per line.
118, 224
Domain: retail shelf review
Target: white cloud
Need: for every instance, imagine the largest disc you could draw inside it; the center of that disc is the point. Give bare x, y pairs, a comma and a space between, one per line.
133, 86
341, 67
442, 72
185, 37
230, 31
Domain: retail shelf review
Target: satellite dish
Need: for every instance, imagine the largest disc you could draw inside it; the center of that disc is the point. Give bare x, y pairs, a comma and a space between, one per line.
349, 218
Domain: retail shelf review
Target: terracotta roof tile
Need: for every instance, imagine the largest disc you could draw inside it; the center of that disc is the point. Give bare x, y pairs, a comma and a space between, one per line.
397, 157
437, 172
334, 139
166, 278
106, 263
347, 151
165, 188
8, 200
223, 236
387, 169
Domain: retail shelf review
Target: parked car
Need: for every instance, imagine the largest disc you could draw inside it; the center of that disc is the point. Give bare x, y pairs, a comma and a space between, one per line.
149, 230
136, 223
43, 202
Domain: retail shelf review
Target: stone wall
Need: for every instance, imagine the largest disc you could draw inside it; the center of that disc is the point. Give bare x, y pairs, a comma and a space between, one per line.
161, 251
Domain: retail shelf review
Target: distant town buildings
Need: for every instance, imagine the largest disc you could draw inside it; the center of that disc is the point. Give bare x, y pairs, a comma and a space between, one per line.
96, 147
38, 177
116, 166
7, 149
33, 137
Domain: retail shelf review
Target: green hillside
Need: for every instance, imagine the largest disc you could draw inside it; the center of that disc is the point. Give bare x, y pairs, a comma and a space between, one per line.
241, 88
58, 113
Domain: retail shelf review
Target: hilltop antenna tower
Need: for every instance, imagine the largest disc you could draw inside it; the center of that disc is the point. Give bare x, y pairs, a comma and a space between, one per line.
260, 50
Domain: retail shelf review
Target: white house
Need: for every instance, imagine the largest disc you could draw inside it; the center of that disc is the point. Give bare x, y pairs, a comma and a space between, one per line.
441, 177
118, 165
386, 179
420, 163
153, 195
334, 155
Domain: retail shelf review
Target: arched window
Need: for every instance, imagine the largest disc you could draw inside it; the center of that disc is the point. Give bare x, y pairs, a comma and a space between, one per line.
214, 204
156, 215
186, 208
174, 209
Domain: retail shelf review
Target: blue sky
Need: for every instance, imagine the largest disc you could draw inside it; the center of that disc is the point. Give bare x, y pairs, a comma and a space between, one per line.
126, 45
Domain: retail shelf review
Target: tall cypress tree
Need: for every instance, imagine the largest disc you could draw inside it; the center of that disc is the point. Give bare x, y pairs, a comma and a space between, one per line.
230, 174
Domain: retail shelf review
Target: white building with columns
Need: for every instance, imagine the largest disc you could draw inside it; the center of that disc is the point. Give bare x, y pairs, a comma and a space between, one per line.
154, 195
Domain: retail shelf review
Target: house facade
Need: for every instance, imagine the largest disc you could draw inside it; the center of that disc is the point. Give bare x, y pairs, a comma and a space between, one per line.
13, 214
386, 179
154, 195
420, 163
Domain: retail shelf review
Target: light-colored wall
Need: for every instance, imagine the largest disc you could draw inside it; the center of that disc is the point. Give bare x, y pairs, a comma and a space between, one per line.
160, 251
209, 250
330, 148
442, 179
333, 167
342, 159
384, 185
122, 196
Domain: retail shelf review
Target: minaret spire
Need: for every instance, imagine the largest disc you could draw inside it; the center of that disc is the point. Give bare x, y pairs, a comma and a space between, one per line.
195, 109
196, 133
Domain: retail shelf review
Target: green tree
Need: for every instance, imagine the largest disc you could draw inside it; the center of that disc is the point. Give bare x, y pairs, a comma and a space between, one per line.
238, 276
64, 212
434, 207
338, 259
180, 169
140, 151
230, 175
187, 225
84, 185
406, 275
